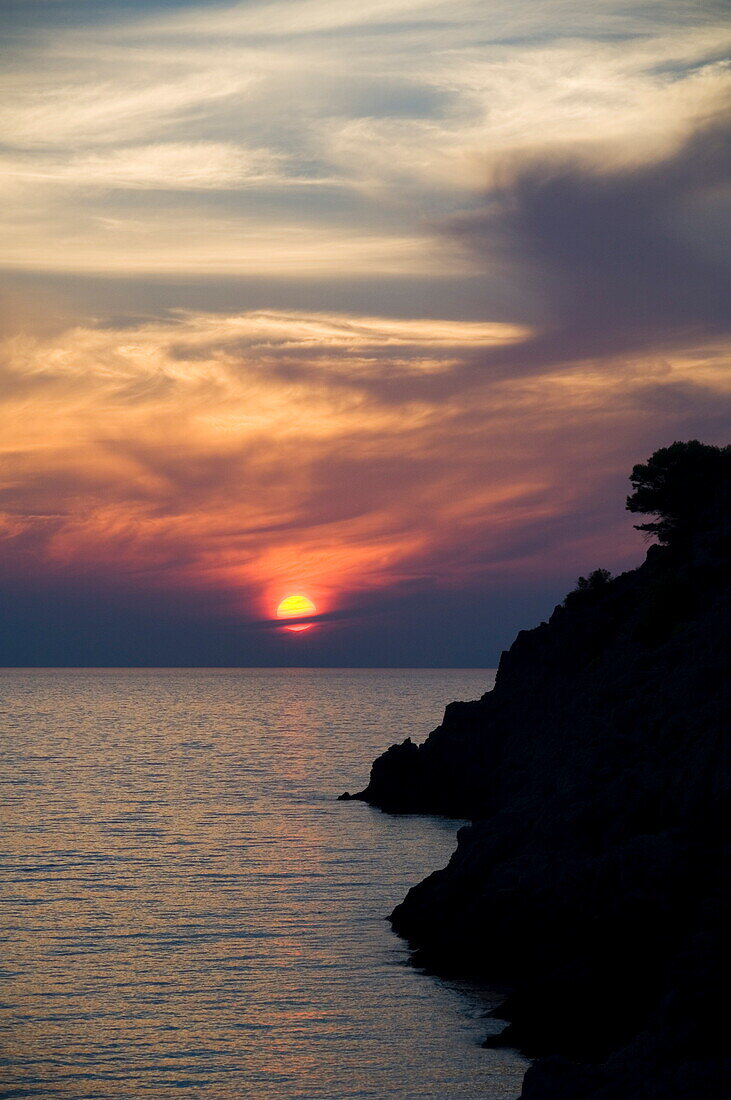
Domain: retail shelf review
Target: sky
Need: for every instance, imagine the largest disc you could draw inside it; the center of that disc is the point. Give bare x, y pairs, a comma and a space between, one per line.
376, 303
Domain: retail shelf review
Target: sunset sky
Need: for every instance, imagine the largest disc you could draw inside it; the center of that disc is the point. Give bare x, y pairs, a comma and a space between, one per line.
373, 302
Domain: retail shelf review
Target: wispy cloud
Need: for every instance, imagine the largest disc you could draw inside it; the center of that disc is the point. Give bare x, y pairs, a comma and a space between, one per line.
544, 184
189, 450
70, 104
171, 166
404, 110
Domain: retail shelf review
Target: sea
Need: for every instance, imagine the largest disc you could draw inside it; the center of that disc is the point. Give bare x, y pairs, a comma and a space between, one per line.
188, 911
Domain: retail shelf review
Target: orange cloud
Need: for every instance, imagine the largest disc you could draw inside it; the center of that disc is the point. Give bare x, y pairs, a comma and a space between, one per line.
261, 454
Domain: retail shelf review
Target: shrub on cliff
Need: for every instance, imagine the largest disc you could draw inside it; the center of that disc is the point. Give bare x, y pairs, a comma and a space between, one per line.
588, 587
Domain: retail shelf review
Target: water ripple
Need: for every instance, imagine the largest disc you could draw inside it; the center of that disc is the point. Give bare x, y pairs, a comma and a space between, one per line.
187, 911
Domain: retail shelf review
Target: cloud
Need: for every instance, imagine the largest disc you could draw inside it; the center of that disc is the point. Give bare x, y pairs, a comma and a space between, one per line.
182, 240
492, 233
69, 104
311, 127
618, 272
303, 17
186, 453
172, 166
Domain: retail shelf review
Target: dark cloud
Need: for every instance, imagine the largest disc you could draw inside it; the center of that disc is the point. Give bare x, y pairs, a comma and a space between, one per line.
605, 251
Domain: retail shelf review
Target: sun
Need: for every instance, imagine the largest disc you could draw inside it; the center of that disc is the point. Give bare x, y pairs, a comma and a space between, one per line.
296, 607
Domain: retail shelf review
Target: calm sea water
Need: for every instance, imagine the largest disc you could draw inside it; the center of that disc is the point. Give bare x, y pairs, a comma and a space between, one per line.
188, 912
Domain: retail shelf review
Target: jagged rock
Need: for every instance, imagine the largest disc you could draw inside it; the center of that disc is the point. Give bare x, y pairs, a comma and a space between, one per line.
595, 878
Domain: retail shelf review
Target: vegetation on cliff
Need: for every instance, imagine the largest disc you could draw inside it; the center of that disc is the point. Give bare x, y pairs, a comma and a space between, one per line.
595, 878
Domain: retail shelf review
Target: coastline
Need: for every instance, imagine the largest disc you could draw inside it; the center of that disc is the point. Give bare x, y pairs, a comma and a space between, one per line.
594, 880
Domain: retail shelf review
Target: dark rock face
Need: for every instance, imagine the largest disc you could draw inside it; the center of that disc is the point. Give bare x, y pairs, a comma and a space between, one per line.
595, 880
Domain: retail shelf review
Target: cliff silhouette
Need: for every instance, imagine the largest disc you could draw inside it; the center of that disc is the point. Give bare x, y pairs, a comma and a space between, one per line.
594, 881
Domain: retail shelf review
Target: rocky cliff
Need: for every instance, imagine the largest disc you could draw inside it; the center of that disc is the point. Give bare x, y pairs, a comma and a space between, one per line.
595, 878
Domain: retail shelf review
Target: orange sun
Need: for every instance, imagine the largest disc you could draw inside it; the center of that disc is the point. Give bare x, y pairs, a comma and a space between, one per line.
296, 607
